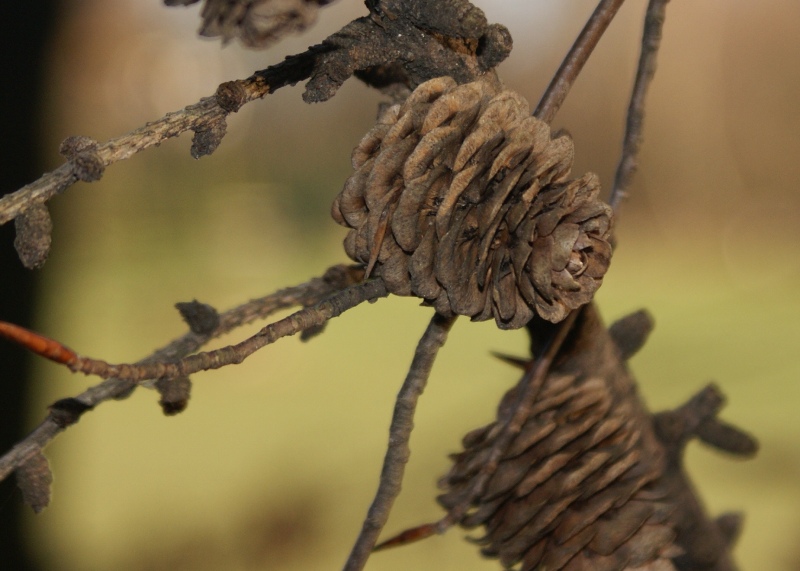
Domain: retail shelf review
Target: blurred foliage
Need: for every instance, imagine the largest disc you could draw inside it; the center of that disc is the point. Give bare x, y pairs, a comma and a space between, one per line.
275, 461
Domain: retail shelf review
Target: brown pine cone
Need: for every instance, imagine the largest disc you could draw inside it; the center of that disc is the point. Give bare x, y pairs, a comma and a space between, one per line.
257, 23
462, 198
577, 489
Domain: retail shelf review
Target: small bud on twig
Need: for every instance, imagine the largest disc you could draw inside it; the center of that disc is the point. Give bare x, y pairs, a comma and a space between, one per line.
200, 317
34, 235
174, 393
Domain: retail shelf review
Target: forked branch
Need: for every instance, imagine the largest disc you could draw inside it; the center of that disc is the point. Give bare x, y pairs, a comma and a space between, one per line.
68, 411
305, 319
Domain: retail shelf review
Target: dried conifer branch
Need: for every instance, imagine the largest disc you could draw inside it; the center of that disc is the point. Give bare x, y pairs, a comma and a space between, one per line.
384, 49
651, 40
308, 318
398, 451
88, 164
68, 411
571, 67
87, 159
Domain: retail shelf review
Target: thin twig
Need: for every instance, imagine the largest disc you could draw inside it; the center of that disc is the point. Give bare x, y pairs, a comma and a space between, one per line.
335, 279
308, 318
398, 451
205, 112
199, 117
651, 40
573, 63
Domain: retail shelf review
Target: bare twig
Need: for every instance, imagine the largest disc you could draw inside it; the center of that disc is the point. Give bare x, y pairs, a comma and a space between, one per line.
88, 159
651, 39
375, 47
308, 318
67, 411
573, 63
205, 112
398, 451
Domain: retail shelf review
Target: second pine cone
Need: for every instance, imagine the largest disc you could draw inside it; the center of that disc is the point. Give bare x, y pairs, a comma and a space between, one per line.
462, 198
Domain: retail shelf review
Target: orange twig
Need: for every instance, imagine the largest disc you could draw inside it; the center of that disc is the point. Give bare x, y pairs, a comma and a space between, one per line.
39, 344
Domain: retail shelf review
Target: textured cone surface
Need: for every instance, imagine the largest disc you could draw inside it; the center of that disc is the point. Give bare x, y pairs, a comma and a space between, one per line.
257, 23
462, 198
575, 490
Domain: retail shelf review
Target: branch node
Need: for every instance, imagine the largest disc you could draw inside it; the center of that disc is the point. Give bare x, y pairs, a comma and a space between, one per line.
81, 152
88, 166
631, 332
494, 46
231, 96
72, 146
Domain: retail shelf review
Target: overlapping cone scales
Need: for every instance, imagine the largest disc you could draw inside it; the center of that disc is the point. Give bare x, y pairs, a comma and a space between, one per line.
462, 198
257, 23
575, 490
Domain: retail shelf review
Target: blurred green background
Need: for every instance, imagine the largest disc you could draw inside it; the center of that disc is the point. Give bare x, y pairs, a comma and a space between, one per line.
275, 461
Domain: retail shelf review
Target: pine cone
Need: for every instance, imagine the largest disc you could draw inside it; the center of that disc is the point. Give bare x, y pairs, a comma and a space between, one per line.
577, 489
257, 23
462, 198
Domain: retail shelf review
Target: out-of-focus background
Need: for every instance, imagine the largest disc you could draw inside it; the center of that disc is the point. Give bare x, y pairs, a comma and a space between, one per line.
275, 461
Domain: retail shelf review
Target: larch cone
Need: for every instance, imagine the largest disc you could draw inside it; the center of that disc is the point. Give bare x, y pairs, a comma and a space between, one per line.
462, 198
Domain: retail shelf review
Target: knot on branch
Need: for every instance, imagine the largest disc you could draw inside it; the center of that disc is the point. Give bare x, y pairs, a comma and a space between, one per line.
453, 18
462, 198
494, 46
231, 95
630, 332
404, 43
81, 152
574, 489
34, 479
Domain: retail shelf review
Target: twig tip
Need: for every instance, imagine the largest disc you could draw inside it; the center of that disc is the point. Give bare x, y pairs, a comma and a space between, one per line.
39, 344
